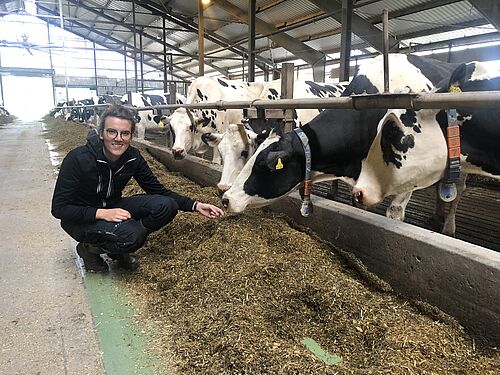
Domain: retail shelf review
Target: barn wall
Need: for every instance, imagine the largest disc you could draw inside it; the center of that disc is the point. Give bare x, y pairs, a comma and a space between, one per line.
460, 278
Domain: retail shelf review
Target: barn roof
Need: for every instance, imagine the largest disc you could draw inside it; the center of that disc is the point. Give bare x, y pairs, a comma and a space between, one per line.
286, 30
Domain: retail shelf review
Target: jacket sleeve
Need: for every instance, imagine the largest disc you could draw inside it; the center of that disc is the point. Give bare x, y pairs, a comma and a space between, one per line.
150, 184
66, 189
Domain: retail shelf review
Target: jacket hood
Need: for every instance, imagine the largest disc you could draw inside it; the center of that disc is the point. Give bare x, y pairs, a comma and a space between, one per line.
94, 143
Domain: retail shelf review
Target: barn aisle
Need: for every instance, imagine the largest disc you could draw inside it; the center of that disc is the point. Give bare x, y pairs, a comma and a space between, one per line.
45, 320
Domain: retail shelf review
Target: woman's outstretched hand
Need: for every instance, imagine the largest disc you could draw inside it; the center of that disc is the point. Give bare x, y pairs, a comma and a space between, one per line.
209, 210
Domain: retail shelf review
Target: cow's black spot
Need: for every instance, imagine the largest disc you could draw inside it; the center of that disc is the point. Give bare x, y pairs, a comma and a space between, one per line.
409, 119
149, 117
394, 139
274, 94
234, 87
199, 93
321, 91
222, 83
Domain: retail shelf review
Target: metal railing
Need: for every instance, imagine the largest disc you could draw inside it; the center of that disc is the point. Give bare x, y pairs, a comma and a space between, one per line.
479, 99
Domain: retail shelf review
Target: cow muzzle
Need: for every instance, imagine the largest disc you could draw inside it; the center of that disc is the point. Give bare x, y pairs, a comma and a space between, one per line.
178, 153
222, 188
357, 196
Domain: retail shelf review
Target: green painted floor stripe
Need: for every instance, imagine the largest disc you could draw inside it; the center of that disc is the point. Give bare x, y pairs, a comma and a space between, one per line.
315, 348
122, 341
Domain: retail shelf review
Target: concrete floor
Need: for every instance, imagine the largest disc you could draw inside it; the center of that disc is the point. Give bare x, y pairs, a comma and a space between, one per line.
45, 319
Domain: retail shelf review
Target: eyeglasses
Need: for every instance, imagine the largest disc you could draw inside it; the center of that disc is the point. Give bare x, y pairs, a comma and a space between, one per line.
113, 133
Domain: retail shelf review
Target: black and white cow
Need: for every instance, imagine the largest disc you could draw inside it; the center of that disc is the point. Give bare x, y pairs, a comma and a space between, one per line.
188, 126
410, 152
236, 147
339, 138
148, 118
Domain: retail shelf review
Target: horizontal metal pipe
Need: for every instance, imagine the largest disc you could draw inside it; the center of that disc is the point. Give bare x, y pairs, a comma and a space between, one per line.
481, 99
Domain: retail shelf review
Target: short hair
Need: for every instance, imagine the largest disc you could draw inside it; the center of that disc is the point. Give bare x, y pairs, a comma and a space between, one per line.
119, 111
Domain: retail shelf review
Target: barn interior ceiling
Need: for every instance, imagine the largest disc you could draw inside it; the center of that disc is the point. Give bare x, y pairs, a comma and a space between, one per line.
302, 31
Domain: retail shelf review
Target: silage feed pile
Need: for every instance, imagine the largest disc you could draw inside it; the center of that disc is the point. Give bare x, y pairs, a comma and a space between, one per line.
255, 294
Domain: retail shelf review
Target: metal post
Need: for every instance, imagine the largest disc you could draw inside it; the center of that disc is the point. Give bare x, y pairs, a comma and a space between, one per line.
95, 72
135, 46
64, 50
165, 78
251, 40
345, 40
287, 70
1, 84
385, 23
51, 67
172, 87
125, 63
201, 41
142, 61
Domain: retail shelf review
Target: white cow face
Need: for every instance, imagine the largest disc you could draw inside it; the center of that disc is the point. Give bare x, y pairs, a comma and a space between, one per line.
235, 146
408, 153
187, 134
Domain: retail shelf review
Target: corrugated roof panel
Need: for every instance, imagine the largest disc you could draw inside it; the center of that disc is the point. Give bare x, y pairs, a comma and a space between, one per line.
376, 9
451, 35
288, 11
443, 16
318, 27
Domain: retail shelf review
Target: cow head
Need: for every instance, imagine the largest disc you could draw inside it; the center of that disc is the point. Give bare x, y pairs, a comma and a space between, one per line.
408, 153
236, 145
187, 130
275, 170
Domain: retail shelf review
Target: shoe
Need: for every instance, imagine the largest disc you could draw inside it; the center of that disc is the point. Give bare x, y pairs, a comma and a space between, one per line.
126, 261
91, 258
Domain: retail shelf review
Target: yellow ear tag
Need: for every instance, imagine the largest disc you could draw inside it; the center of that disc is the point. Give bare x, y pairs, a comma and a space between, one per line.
454, 89
161, 124
200, 125
279, 164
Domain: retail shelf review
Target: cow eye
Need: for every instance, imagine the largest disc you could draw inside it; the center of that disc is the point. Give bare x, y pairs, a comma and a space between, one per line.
244, 154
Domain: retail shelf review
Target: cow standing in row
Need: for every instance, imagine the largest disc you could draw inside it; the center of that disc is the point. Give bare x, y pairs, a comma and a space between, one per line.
238, 143
409, 151
339, 139
148, 118
188, 126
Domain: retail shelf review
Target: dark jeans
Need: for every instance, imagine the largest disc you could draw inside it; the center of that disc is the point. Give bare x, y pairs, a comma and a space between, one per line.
149, 213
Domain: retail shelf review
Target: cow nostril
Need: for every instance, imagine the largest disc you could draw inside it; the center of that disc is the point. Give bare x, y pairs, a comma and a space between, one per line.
220, 192
358, 196
225, 202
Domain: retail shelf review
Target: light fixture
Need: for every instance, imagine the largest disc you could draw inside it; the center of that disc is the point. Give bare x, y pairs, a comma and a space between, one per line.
205, 2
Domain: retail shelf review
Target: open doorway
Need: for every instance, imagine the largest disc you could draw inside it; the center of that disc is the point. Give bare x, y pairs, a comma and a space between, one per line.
28, 98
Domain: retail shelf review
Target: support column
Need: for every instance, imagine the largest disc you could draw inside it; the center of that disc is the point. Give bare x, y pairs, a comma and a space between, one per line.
95, 71
287, 70
251, 40
51, 68
135, 46
165, 78
345, 40
201, 40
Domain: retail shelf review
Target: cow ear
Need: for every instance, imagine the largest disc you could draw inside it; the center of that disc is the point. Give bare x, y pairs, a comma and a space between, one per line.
276, 160
211, 139
459, 76
157, 119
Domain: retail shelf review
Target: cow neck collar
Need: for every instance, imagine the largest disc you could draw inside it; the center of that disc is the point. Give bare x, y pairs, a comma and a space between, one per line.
306, 208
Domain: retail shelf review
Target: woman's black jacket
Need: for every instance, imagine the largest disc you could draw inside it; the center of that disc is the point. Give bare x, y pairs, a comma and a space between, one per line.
87, 181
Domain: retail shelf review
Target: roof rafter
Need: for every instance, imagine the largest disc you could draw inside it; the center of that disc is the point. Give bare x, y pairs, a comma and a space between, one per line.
97, 32
363, 29
490, 9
